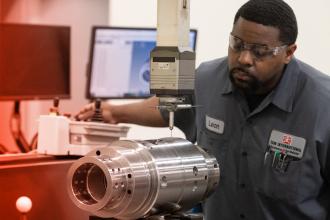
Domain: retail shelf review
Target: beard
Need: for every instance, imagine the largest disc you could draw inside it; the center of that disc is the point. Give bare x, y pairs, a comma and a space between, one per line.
252, 86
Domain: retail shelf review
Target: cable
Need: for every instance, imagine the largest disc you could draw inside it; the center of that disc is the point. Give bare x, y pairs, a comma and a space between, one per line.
3, 149
15, 128
34, 142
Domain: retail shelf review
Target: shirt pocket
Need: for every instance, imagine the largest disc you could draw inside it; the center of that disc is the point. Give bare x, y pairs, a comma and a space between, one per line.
218, 146
279, 184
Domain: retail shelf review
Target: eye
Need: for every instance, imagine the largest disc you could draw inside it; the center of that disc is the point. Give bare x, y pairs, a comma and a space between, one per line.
238, 47
238, 41
261, 50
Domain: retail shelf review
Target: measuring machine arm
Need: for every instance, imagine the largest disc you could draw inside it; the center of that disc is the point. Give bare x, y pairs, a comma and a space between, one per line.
172, 61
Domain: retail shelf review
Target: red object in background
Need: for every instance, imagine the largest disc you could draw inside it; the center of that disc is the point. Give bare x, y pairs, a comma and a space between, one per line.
41, 178
23, 205
68, 115
34, 62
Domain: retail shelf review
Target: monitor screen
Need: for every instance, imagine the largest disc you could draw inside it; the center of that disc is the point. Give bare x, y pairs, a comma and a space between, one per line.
34, 62
119, 62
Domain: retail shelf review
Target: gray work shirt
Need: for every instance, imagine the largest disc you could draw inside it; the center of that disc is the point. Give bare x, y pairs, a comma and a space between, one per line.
299, 107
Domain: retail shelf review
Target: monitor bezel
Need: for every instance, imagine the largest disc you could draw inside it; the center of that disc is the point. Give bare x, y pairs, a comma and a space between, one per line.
91, 53
41, 97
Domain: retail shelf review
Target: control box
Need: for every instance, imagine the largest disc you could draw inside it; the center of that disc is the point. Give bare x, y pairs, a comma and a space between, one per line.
60, 136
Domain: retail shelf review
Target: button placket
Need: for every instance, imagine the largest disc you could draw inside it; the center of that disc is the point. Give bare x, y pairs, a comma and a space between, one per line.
243, 178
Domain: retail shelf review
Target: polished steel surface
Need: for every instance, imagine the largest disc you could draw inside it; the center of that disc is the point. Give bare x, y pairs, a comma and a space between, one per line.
132, 179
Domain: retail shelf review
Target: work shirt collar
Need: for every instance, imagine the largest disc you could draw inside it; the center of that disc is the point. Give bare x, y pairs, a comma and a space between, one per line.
282, 96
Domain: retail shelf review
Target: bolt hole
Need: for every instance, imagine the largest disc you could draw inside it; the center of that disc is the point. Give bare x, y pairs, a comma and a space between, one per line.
129, 175
118, 169
195, 171
215, 165
163, 182
205, 177
129, 191
98, 153
195, 186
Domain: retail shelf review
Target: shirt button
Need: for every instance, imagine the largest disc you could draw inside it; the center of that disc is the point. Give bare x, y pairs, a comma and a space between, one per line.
241, 215
249, 121
244, 154
243, 185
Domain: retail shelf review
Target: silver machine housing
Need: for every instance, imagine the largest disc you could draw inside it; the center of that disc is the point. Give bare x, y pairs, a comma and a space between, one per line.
132, 179
172, 71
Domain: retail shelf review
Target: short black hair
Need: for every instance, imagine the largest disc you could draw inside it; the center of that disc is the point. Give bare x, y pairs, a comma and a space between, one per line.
274, 13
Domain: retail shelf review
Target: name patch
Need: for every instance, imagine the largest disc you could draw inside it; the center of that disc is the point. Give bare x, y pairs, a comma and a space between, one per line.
214, 125
293, 145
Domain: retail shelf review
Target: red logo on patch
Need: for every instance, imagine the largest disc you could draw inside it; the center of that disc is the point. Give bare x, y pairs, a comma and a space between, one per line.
287, 140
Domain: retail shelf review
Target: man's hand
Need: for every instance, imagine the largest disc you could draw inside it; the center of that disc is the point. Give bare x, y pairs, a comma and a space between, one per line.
87, 112
140, 113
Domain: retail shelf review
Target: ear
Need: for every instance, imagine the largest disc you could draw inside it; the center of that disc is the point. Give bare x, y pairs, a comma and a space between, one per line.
289, 53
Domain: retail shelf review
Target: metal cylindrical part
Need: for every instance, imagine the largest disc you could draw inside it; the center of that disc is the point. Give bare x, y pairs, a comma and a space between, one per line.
134, 179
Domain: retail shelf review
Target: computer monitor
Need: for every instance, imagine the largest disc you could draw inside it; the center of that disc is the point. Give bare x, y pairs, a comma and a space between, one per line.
34, 62
119, 62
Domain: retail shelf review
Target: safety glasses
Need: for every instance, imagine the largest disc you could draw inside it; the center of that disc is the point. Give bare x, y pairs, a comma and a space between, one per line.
259, 52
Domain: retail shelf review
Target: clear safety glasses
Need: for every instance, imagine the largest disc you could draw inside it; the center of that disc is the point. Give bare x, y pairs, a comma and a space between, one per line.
259, 52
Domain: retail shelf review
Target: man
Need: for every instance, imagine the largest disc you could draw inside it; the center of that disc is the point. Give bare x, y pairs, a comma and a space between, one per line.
271, 113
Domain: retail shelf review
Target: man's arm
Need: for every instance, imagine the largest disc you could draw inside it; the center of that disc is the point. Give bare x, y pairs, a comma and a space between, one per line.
140, 113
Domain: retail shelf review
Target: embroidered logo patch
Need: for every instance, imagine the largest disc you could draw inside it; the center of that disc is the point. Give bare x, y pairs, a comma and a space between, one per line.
214, 125
293, 145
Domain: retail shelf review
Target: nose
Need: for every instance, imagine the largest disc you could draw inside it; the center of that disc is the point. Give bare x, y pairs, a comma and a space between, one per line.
245, 58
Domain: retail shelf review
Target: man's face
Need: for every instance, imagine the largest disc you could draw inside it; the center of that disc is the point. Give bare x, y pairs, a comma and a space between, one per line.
250, 74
